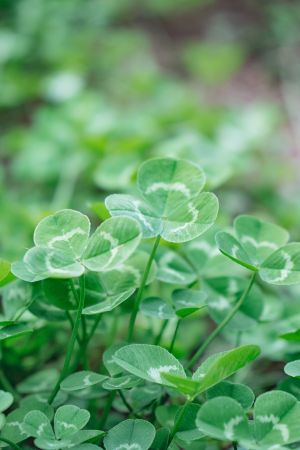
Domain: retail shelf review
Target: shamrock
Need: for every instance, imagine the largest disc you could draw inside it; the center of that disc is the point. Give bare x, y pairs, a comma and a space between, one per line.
68, 423
63, 248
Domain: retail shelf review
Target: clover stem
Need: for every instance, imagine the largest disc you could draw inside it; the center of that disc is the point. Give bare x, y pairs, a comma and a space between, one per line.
84, 345
222, 325
139, 294
107, 408
178, 421
7, 441
174, 336
161, 332
234, 445
72, 341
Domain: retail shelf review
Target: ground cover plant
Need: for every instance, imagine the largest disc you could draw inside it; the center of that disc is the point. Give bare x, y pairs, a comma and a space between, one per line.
136, 393
149, 232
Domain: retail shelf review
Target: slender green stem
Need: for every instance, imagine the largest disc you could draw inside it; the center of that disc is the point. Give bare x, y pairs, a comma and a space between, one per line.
171, 348
161, 332
234, 445
84, 345
128, 406
12, 444
107, 409
141, 290
178, 422
72, 341
222, 325
4, 381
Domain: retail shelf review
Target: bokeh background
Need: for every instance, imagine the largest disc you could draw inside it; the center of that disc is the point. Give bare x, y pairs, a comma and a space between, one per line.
91, 88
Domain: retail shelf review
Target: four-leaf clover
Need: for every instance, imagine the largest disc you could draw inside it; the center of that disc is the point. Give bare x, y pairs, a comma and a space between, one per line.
171, 204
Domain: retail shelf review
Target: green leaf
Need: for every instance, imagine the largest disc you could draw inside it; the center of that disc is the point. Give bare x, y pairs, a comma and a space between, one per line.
37, 424
130, 434
142, 396
112, 243
157, 307
172, 268
223, 418
66, 231
42, 262
224, 292
127, 205
105, 291
81, 380
214, 369
5, 274
13, 428
232, 248
258, 238
203, 250
6, 399
293, 336
163, 183
59, 293
42, 381
108, 359
239, 392
276, 417
293, 368
148, 362
12, 331
254, 241
68, 420
125, 382
283, 266
222, 365
165, 415
188, 301
16, 298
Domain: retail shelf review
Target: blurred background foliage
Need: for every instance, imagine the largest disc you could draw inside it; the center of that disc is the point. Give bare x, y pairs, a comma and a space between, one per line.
91, 88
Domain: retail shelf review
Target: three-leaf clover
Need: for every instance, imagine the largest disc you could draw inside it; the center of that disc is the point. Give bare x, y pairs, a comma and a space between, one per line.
63, 248
171, 203
68, 423
261, 246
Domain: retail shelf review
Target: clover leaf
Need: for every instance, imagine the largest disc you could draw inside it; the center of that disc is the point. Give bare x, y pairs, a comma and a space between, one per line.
224, 292
173, 268
148, 362
223, 418
6, 399
276, 419
239, 392
130, 435
63, 248
68, 423
171, 204
261, 246
81, 380
157, 365
253, 242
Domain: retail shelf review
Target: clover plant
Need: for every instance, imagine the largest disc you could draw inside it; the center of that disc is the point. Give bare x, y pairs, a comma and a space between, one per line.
114, 319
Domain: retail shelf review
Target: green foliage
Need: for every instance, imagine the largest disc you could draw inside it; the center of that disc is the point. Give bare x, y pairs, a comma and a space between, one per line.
130, 434
63, 248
